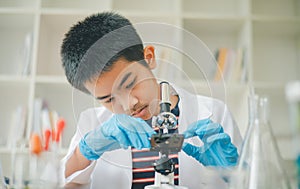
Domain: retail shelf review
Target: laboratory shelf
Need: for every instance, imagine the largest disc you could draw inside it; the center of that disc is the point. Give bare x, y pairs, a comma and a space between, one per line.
76, 4
267, 18
52, 30
139, 16
9, 151
215, 33
51, 79
61, 11
186, 34
16, 40
16, 11
232, 7
276, 8
281, 26
156, 6
18, 4
283, 44
203, 16
5, 150
15, 78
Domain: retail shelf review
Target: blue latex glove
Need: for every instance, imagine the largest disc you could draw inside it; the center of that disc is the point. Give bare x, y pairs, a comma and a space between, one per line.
121, 131
128, 131
217, 149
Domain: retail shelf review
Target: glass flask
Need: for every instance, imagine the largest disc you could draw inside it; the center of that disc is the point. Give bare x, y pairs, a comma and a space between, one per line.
260, 163
293, 98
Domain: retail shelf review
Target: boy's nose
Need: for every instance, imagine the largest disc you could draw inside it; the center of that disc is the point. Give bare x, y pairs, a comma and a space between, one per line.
129, 103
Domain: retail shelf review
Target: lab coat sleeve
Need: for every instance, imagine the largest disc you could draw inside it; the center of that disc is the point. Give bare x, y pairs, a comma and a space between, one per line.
84, 125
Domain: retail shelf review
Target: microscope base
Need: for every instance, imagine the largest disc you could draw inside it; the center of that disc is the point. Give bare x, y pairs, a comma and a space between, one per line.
159, 179
165, 186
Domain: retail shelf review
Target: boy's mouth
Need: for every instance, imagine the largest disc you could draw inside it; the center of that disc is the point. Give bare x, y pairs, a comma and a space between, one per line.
140, 112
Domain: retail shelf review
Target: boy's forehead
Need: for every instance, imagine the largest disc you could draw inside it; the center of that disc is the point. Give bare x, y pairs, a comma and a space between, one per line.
116, 74
120, 67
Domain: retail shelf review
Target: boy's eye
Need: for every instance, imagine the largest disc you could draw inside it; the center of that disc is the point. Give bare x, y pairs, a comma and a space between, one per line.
131, 84
110, 100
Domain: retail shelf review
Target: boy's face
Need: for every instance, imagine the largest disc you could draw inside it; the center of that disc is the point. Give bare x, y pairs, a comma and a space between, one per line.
128, 88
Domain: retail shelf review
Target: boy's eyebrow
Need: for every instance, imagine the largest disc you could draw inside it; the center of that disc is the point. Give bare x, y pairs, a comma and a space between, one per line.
124, 79
103, 97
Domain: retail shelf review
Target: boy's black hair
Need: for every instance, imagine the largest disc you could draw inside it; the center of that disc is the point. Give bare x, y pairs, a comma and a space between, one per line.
87, 52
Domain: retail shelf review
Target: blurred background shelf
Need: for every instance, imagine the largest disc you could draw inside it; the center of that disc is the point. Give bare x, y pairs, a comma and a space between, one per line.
268, 32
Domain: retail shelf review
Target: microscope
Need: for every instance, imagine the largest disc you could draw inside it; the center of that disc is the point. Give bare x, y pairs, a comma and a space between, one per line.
165, 143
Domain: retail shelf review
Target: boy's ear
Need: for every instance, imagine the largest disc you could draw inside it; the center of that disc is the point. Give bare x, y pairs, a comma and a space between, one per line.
149, 56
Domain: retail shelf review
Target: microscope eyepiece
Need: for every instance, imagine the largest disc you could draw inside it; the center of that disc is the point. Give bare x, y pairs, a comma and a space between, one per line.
165, 103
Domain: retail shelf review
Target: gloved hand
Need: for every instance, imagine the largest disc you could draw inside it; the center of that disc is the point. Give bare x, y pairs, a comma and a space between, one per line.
121, 131
128, 131
217, 149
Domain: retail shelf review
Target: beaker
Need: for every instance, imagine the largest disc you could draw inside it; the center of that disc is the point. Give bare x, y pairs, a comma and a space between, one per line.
260, 163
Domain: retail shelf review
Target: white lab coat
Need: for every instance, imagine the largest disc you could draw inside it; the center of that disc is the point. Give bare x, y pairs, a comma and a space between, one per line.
113, 170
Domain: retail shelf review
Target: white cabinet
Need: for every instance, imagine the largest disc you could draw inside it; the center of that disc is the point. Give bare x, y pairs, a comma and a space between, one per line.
31, 34
276, 59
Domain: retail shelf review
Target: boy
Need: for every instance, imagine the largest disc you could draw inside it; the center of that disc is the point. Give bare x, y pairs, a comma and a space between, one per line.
104, 56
